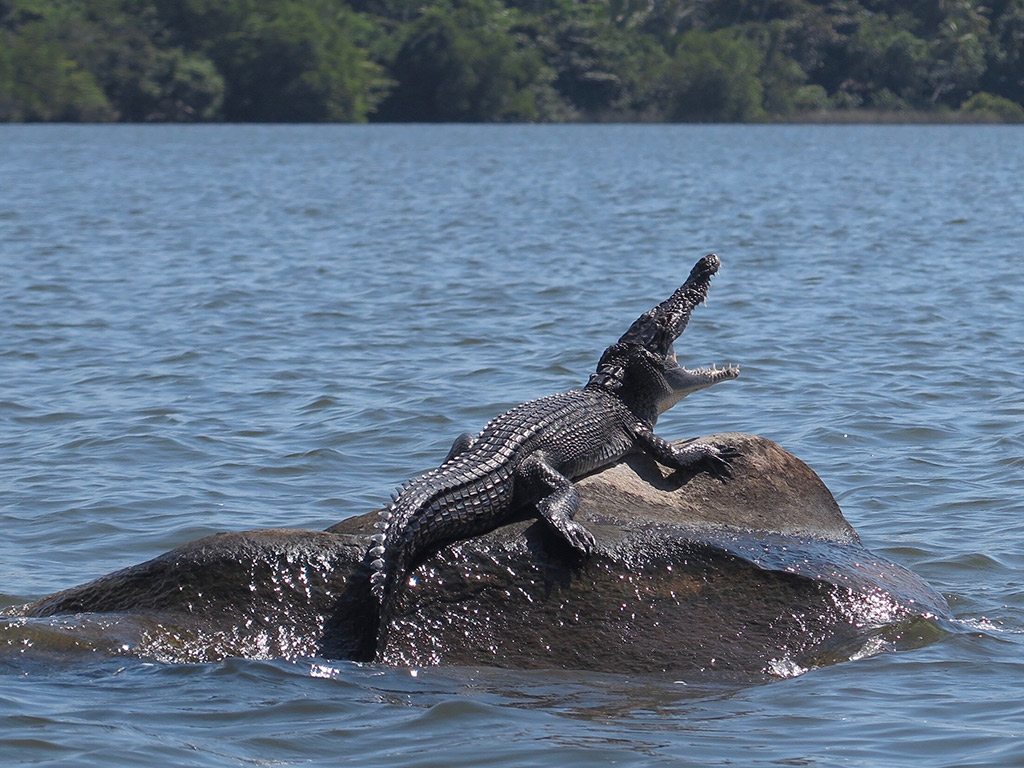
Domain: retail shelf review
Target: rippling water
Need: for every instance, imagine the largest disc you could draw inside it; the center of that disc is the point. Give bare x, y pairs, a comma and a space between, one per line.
221, 328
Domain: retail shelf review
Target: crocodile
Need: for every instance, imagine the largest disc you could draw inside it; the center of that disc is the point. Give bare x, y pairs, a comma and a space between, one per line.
532, 453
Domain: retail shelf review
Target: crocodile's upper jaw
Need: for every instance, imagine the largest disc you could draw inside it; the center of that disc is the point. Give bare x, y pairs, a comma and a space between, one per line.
656, 329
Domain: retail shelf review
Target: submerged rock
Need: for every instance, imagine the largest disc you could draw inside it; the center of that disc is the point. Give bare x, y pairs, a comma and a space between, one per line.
755, 575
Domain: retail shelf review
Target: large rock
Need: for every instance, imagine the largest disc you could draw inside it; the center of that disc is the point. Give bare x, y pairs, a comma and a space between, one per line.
755, 575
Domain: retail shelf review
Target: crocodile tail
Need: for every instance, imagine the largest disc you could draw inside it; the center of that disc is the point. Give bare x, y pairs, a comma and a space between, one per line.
380, 563
386, 564
384, 614
392, 544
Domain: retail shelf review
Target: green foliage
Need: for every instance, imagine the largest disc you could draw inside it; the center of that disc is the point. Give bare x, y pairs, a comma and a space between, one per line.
809, 98
713, 77
284, 60
184, 60
959, 55
1004, 73
178, 87
602, 71
500, 60
988, 106
781, 76
889, 62
149, 83
39, 78
459, 62
96, 61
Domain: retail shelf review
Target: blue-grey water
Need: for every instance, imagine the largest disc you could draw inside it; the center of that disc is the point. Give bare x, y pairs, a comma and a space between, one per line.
220, 328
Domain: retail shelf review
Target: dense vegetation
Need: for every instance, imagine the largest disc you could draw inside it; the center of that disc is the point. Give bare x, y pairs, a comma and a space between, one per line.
508, 60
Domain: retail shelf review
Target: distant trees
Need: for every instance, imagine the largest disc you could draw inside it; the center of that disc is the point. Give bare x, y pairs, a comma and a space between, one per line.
1004, 71
40, 76
601, 67
281, 60
506, 60
461, 62
186, 60
715, 76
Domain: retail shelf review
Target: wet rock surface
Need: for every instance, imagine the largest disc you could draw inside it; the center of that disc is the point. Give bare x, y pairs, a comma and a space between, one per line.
752, 575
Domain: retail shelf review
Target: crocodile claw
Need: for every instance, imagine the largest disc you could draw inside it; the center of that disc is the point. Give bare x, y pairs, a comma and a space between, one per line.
579, 538
718, 462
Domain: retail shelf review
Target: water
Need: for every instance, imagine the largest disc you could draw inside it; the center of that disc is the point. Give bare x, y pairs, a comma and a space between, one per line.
221, 328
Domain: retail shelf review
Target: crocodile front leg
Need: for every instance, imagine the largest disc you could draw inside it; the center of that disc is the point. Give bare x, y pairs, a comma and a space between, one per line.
558, 503
714, 459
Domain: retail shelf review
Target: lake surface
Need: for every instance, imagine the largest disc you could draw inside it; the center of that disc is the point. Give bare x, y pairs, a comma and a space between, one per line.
228, 327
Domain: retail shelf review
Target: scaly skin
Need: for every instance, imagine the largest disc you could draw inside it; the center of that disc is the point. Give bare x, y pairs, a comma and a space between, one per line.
532, 453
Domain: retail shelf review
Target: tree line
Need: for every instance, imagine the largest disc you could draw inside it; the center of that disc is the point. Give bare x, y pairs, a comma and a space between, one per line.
508, 60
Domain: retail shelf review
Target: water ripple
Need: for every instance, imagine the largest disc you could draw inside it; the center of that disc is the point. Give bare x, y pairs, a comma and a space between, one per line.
226, 327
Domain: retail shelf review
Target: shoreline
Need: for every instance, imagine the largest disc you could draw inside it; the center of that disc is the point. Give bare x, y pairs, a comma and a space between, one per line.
821, 117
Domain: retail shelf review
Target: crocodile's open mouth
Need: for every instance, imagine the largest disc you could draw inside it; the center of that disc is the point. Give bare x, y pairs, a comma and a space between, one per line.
655, 332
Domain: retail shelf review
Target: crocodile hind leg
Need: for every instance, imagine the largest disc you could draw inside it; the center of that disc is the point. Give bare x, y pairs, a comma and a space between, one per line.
559, 500
462, 444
